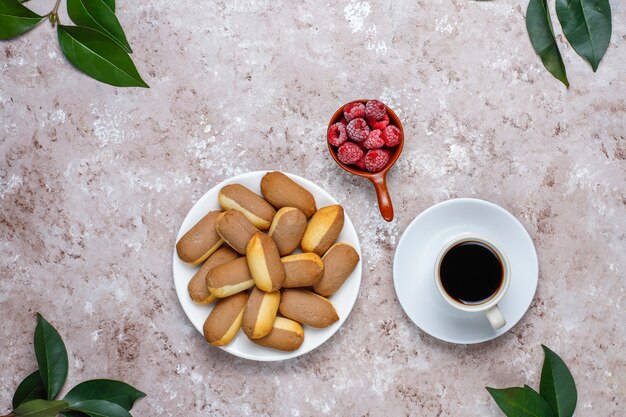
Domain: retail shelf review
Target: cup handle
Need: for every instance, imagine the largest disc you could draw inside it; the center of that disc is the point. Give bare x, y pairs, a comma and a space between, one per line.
495, 317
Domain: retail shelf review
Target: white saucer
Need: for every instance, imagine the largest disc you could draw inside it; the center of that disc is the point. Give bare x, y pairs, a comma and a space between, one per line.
413, 268
343, 299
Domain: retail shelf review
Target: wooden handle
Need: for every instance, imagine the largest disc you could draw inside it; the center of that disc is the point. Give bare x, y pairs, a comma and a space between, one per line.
384, 200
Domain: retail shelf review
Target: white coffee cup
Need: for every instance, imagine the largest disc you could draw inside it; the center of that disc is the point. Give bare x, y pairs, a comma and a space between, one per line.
489, 307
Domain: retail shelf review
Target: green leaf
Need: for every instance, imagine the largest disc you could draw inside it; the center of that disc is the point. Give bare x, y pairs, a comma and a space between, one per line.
96, 14
105, 389
533, 390
111, 4
67, 413
587, 26
16, 19
100, 408
520, 402
98, 56
51, 357
31, 388
40, 408
539, 28
557, 385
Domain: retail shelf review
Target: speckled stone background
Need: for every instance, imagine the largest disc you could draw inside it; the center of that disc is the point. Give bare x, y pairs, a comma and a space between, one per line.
95, 182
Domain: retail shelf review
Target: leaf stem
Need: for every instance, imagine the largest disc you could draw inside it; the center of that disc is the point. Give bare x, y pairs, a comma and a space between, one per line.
53, 16
56, 6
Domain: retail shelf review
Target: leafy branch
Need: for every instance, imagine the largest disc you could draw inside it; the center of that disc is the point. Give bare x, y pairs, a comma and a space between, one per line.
586, 24
35, 395
557, 394
97, 45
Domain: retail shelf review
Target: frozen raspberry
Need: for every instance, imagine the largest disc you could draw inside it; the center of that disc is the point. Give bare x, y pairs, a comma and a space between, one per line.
349, 153
375, 110
374, 140
354, 111
358, 130
376, 159
362, 146
379, 124
360, 164
337, 134
391, 136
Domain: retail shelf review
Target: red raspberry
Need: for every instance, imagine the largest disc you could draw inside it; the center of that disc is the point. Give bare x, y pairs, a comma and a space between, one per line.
376, 159
379, 124
358, 130
349, 153
354, 111
391, 136
337, 134
374, 140
375, 110
360, 164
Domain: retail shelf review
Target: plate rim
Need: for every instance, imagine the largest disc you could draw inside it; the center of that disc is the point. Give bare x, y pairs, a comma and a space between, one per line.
462, 200
278, 355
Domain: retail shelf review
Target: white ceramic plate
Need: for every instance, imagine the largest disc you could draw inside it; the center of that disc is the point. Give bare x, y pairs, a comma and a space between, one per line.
343, 299
414, 263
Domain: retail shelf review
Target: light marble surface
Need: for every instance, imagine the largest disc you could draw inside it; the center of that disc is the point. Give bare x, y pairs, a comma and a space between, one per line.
95, 181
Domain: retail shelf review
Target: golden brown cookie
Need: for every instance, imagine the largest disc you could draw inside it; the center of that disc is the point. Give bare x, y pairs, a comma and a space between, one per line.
281, 191
258, 211
261, 309
307, 308
323, 229
339, 262
229, 278
286, 335
287, 229
302, 270
225, 319
197, 287
235, 229
200, 241
264, 262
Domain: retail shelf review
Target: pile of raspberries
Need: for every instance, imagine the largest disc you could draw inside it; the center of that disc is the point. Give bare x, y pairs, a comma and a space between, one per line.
363, 137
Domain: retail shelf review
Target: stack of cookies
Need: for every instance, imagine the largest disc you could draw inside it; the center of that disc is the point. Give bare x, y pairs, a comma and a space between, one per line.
249, 268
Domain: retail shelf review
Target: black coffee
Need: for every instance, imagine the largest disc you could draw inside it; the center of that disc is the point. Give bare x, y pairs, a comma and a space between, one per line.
471, 272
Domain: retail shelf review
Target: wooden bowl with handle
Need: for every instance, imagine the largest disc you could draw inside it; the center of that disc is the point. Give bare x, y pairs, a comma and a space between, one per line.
379, 179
